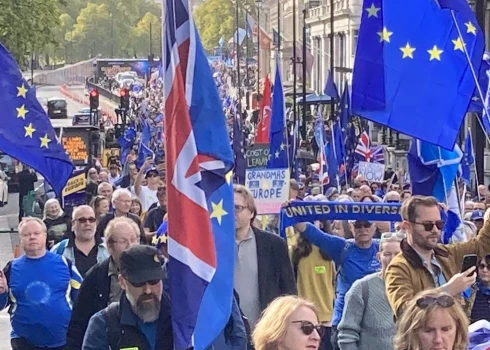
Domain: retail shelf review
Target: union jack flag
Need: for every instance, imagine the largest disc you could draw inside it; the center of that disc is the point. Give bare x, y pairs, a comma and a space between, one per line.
366, 153
199, 161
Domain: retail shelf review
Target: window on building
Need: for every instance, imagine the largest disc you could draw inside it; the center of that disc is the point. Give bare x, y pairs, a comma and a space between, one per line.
355, 37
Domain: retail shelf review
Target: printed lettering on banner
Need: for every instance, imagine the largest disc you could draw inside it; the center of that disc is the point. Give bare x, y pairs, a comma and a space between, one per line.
372, 172
270, 188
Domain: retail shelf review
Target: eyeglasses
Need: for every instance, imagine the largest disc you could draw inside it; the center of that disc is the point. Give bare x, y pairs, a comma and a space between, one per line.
84, 220
142, 284
392, 201
239, 208
483, 266
307, 328
362, 224
443, 301
429, 225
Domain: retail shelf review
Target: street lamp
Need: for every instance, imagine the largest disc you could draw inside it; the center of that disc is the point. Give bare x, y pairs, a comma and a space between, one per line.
237, 57
303, 126
258, 3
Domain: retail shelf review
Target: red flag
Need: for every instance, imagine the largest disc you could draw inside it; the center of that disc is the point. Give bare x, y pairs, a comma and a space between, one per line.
263, 128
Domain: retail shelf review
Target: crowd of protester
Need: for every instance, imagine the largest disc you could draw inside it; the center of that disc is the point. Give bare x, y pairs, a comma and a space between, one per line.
95, 278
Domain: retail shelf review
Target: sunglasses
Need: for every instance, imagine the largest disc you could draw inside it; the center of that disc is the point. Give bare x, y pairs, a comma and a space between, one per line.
443, 301
84, 220
429, 225
389, 235
142, 284
484, 266
307, 328
393, 201
362, 224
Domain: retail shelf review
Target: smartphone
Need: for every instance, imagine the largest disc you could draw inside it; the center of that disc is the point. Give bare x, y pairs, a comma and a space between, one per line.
469, 261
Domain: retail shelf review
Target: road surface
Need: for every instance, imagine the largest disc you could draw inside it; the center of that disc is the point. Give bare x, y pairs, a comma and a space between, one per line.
9, 213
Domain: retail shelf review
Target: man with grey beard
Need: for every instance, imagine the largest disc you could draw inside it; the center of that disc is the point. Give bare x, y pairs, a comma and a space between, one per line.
141, 320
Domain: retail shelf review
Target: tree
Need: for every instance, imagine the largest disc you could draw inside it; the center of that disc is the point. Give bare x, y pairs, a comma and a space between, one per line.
217, 18
140, 35
28, 26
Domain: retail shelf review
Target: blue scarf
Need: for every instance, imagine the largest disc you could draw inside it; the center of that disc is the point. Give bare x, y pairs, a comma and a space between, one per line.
300, 211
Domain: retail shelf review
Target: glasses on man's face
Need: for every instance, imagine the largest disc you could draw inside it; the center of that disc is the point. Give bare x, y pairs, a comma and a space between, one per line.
85, 220
428, 226
443, 301
307, 328
483, 266
142, 284
239, 208
392, 201
124, 201
362, 224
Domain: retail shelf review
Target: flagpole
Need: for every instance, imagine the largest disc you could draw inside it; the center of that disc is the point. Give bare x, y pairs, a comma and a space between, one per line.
475, 78
335, 155
474, 165
237, 56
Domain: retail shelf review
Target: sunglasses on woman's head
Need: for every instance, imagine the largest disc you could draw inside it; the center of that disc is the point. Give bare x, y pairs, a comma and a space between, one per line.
443, 301
307, 328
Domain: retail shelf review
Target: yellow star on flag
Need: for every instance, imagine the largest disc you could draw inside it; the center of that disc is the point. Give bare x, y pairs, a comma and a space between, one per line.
229, 177
29, 130
470, 28
458, 44
373, 10
218, 211
407, 51
21, 112
385, 35
22, 91
435, 53
45, 141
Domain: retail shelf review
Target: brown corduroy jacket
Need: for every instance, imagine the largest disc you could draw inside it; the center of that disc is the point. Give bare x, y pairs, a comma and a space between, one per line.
406, 275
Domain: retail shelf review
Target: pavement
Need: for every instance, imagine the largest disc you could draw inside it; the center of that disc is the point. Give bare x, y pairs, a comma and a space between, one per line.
8, 214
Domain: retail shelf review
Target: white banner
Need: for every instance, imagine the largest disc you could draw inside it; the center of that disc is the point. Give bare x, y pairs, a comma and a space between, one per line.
372, 172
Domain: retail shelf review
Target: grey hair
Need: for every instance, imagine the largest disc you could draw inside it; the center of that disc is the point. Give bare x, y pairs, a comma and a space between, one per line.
48, 203
119, 192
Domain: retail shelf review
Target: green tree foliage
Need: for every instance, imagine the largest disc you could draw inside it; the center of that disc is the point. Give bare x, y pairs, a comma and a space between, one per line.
74, 30
217, 18
27, 25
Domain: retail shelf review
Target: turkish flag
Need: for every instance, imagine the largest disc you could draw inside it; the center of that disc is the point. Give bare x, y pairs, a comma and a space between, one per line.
264, 126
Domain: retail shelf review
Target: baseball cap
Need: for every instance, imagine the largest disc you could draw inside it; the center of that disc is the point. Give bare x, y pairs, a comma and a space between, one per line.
477, 215
140, 264
153, 170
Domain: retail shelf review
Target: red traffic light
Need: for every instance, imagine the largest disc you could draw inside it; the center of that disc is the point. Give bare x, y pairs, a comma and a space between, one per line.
94, 93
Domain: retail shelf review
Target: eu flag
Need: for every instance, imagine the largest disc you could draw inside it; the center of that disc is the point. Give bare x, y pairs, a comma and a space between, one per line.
411, 72
476, 104
26, 133
278, 147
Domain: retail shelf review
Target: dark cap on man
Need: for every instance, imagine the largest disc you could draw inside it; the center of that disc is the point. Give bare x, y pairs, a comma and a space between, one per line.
140, 264
152, 171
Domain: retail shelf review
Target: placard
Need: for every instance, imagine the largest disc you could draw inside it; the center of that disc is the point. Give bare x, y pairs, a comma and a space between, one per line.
77, 182
270, 188
372, 172
257, 156
76, 145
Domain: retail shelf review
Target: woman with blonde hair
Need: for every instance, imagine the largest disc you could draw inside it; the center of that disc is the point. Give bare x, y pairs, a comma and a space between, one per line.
432, 320
289, 322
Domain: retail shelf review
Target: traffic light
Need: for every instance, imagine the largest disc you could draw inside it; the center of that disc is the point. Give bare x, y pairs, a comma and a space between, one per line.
94, 100
124, 101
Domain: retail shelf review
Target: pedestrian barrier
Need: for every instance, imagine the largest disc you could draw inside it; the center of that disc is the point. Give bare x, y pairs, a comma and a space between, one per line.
107, 109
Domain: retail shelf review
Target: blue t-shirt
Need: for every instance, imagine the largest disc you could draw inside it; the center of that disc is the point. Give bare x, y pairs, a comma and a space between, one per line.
352, 262
149, 330
41, 294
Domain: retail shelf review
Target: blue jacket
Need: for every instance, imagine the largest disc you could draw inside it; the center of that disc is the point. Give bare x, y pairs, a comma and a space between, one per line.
234, 336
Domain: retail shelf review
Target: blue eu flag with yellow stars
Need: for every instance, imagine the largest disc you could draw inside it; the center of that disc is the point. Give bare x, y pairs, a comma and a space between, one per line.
411, 70
26, 133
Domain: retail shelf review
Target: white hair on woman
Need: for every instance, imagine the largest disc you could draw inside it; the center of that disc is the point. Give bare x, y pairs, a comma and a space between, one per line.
47, 204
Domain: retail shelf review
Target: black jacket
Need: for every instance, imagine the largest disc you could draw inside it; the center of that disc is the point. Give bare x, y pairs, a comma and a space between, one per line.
93, 296
276, 275
104, 221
